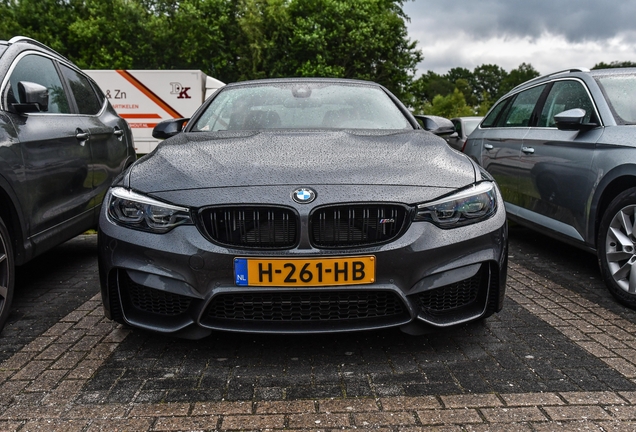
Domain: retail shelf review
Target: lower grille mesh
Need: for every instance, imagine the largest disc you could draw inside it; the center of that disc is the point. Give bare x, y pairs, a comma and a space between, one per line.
305, 307
453, 296
152, 300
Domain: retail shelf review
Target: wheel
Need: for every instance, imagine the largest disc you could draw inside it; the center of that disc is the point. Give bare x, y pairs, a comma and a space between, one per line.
7, 274
617, 247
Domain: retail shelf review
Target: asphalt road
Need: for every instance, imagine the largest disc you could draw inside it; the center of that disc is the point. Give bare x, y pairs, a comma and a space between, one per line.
561, 338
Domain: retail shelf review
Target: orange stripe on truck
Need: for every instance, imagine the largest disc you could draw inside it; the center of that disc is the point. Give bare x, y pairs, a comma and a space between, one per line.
146, 91
139, 116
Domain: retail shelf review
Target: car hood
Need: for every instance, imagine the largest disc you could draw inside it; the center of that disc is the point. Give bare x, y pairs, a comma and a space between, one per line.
248, 158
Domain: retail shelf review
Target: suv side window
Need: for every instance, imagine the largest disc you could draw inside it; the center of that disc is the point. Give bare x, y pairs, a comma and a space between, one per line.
490, 119
100, 93
565, 95
87, 101
39, 70
519, 112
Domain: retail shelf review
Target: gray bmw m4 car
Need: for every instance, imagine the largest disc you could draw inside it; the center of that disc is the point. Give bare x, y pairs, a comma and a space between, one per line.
301, 206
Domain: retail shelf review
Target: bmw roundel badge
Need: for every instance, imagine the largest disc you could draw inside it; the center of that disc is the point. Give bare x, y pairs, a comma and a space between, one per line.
304, 195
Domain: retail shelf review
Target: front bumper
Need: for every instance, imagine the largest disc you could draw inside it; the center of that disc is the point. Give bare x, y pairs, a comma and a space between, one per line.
182, 284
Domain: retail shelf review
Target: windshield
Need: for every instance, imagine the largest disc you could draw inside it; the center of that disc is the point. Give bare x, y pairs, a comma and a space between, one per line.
301, 105
620, 91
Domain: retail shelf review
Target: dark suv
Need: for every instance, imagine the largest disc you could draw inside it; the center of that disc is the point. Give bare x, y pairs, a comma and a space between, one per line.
563, 149
61, 146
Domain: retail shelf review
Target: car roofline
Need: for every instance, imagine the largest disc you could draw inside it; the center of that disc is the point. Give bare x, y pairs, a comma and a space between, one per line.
613, 71
24, 39
548, 76
591, 72
303, 79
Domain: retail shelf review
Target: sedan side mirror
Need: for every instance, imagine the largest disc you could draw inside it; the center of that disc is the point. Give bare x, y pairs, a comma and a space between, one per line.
169, 128
34, 97
437, 125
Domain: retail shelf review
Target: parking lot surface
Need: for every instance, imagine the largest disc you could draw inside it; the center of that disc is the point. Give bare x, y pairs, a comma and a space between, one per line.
561, 355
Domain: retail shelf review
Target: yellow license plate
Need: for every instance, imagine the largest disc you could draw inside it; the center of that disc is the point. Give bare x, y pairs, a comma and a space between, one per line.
295, 272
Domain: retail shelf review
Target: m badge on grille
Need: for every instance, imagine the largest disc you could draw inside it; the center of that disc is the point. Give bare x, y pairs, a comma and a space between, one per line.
304, 195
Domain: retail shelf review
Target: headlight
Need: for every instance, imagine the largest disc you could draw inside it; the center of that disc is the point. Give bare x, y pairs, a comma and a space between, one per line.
465, 207
143, 213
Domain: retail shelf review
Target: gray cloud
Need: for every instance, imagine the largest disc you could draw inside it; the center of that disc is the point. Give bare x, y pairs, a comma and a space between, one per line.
576, 20
550, 34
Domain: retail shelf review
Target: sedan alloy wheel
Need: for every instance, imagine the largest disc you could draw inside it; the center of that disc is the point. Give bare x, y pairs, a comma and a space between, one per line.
617, 247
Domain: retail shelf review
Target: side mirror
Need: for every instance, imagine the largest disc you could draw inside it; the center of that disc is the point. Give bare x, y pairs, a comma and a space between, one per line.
169, 128
437, 125
570, 119
34, 97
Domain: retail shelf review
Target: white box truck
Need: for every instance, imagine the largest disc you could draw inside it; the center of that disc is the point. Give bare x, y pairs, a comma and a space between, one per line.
146, 97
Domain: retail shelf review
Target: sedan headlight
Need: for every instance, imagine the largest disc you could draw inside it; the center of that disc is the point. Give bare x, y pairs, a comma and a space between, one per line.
464, 207
143, 213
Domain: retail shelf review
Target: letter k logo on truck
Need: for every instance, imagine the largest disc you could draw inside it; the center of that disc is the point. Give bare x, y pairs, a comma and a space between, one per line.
177, 88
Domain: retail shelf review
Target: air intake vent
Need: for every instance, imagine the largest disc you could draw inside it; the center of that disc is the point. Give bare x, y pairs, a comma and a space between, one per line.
152, 300
454, 297
335, 306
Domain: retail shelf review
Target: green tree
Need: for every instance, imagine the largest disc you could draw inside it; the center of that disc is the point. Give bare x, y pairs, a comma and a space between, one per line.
266, 31
463, 85
484, 106
44, 20
329, 38
487, 79
452, 105
480, 88
426, 87
228, 39
521, 74
106, 35
614, 64
462, 79
458, 73
192, 34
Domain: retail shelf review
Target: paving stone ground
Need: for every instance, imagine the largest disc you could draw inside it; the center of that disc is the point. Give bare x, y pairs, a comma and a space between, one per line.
560, 356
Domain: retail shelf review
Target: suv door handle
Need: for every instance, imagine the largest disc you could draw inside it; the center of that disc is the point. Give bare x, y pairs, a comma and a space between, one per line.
81, 136
488, 146
118, 132
527, 150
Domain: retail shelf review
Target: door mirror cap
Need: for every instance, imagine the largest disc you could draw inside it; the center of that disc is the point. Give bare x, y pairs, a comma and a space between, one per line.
34, 97
570, 119
169, 128
437, 125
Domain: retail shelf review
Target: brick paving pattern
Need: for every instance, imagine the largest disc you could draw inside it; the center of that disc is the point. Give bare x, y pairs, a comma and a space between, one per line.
53, 285
554, 359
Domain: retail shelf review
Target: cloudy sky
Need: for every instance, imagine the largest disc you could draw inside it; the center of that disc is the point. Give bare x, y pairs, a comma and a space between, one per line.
549, 34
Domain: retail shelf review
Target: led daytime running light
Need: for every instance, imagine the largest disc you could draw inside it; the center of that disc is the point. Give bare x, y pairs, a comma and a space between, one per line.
140, 212
465, 207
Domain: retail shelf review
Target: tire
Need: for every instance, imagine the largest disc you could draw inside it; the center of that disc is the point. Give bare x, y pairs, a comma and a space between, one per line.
616, 245
7, 274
